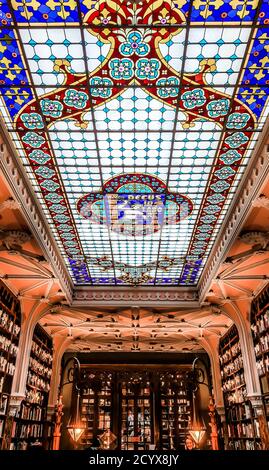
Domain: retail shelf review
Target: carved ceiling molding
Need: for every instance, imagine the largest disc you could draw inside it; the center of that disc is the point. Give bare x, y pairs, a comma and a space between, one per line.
180, 297
20, 189
248, 191
254, 238
14, 237
9, 203
261, 201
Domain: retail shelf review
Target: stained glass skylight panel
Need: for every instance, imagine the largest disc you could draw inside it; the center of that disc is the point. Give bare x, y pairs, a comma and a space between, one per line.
134, 121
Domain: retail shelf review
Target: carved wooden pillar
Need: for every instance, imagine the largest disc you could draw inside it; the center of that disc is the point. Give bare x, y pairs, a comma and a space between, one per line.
57, 424
213, 424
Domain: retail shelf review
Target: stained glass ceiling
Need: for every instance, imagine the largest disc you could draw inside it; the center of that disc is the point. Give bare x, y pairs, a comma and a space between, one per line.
134, 121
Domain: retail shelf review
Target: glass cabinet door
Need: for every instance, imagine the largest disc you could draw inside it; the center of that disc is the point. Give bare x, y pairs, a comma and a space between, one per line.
96, 407
136, 414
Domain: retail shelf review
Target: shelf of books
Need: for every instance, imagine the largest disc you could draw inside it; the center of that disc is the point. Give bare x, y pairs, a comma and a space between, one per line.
144, 408
96, 408
260, 335
10, 321
30, 427
242, 424
175, 410
136, 412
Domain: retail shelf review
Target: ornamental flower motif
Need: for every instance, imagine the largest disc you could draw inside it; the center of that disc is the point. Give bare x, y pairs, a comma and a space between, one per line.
70, 243
208, 219
105, 19
236, 140
212, 209
32, 121
216, 198
168, 87
220, 186
39, 157
198, 251
225, 172
147, 69
49, 185
163, 19
58, 208
218, 107
67, 236
192, 99
230, 157
73, 251
134, 45
205, 228
75, 99
33, 139
51, 108
61, 218
64, 227
45, 172
237, 120
53, 198
105, 263
199, 244
121, 69
101, 87
202, 236
166, 263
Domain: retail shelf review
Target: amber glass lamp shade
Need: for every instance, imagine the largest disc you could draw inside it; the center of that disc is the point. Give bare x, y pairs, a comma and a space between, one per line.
75, 430
197, 428
198, 434
75, 426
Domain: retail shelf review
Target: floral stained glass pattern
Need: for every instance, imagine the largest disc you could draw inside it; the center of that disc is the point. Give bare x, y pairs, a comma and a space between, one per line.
133, 121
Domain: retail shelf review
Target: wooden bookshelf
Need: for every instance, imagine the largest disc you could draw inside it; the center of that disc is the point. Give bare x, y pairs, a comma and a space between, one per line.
30, 425
175, 410
10, 324
136, 410
96, 408
144, 406
260, 335
242, 424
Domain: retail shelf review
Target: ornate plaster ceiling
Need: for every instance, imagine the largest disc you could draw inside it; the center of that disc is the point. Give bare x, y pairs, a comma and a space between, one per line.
135, 329
134, 122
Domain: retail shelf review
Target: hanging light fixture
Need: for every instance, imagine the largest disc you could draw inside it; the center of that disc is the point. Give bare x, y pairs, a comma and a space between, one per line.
197, 428
75, 426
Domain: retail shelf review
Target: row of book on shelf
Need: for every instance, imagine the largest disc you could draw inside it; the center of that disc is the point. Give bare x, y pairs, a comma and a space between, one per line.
243, 427
28, 424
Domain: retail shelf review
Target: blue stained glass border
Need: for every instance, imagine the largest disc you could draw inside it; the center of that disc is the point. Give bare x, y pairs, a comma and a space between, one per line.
204, 10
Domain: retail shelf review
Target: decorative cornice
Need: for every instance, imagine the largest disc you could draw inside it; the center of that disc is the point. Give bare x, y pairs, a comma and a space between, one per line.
248, 190
154, 296
19, 186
